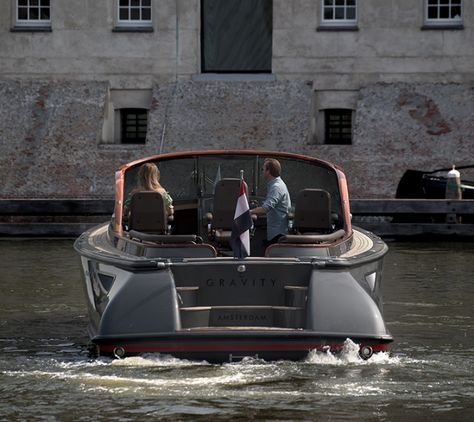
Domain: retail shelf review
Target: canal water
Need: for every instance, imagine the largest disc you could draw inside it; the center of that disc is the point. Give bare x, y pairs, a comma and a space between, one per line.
46, 374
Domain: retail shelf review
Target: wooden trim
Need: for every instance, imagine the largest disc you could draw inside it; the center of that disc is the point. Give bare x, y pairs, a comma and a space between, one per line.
171, 155
119, 201
344, 192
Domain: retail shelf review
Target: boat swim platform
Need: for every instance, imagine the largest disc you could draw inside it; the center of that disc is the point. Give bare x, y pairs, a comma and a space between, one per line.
388, 218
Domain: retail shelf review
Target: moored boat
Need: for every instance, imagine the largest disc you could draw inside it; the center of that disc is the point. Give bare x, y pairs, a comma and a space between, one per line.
432, 184
176, 288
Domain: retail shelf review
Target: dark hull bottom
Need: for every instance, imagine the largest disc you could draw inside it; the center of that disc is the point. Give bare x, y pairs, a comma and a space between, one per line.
220, 350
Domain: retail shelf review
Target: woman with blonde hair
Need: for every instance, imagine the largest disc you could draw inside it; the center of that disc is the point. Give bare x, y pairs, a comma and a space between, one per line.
148, 179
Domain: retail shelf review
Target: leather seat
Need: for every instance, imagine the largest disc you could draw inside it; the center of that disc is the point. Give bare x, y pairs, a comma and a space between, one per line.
148, 213
313, 212
313, 221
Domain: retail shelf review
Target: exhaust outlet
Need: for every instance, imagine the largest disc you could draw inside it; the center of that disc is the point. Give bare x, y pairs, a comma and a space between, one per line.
119, 352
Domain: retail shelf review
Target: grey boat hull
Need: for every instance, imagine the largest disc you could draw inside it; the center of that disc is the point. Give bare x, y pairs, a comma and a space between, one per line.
222, 309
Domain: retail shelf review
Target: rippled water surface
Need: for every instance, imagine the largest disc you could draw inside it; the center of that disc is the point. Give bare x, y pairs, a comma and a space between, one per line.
46, 374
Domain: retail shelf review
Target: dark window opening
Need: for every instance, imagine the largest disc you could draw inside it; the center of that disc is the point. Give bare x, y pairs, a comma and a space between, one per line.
338, 126
236, 36
134, 125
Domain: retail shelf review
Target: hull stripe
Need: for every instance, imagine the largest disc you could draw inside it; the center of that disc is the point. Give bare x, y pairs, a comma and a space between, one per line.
231, 347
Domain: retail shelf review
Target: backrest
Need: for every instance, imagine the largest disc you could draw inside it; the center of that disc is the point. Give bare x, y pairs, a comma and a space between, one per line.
226, 194
313, 211
148, 212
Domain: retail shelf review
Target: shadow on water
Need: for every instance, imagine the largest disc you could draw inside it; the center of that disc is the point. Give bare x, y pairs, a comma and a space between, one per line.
46, 374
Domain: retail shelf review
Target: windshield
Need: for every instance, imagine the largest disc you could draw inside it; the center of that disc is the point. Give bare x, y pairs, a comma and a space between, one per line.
192, 178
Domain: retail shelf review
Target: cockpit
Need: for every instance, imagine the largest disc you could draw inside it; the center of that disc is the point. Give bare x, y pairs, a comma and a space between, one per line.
204, 188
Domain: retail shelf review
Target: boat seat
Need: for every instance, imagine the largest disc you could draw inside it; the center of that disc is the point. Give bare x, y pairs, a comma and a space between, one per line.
148, 213
313, 238
178, 250
165, 238
168, 246
313, 222
313, 212
225, 199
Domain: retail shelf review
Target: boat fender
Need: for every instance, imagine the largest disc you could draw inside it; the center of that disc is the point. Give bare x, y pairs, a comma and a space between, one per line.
453, 184
366, 352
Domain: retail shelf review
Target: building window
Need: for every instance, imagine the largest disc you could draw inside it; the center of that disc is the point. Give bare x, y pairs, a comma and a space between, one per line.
134, 125
339, 12
134, 13
443, 12
236, 36
338, 126
126, 117
33, 13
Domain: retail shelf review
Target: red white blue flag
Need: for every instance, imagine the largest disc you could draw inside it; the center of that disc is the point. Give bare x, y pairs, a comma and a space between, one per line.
240, 237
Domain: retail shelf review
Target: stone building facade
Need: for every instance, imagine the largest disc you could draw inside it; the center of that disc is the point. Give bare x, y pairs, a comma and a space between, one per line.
374, 86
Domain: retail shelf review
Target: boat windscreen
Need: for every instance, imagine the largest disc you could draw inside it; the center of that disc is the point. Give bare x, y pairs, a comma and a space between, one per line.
190, 178
300, 174
178, 177
214, 168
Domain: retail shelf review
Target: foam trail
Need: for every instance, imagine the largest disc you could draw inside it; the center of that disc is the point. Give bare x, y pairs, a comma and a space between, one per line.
348, 354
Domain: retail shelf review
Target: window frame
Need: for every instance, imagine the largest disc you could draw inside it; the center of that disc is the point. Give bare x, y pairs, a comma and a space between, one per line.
340, 140
338, 22
133, 23
32, 23
443, 22
126, 111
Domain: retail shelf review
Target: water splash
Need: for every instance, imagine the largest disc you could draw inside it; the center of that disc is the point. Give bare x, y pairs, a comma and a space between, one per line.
156, 360
348, 354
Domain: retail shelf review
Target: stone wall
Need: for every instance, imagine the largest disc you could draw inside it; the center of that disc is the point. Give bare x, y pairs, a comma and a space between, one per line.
406, 126
48, 136
50, 132
236, 115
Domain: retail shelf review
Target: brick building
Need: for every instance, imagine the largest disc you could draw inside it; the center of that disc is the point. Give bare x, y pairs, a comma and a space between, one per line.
375, 86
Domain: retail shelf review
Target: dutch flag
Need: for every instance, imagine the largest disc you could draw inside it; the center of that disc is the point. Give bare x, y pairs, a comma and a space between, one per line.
240, 237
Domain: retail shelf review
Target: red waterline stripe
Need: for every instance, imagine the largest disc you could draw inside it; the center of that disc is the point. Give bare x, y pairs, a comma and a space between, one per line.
227, 347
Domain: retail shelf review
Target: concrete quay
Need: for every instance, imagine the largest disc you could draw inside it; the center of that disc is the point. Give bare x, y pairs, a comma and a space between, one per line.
388, 218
